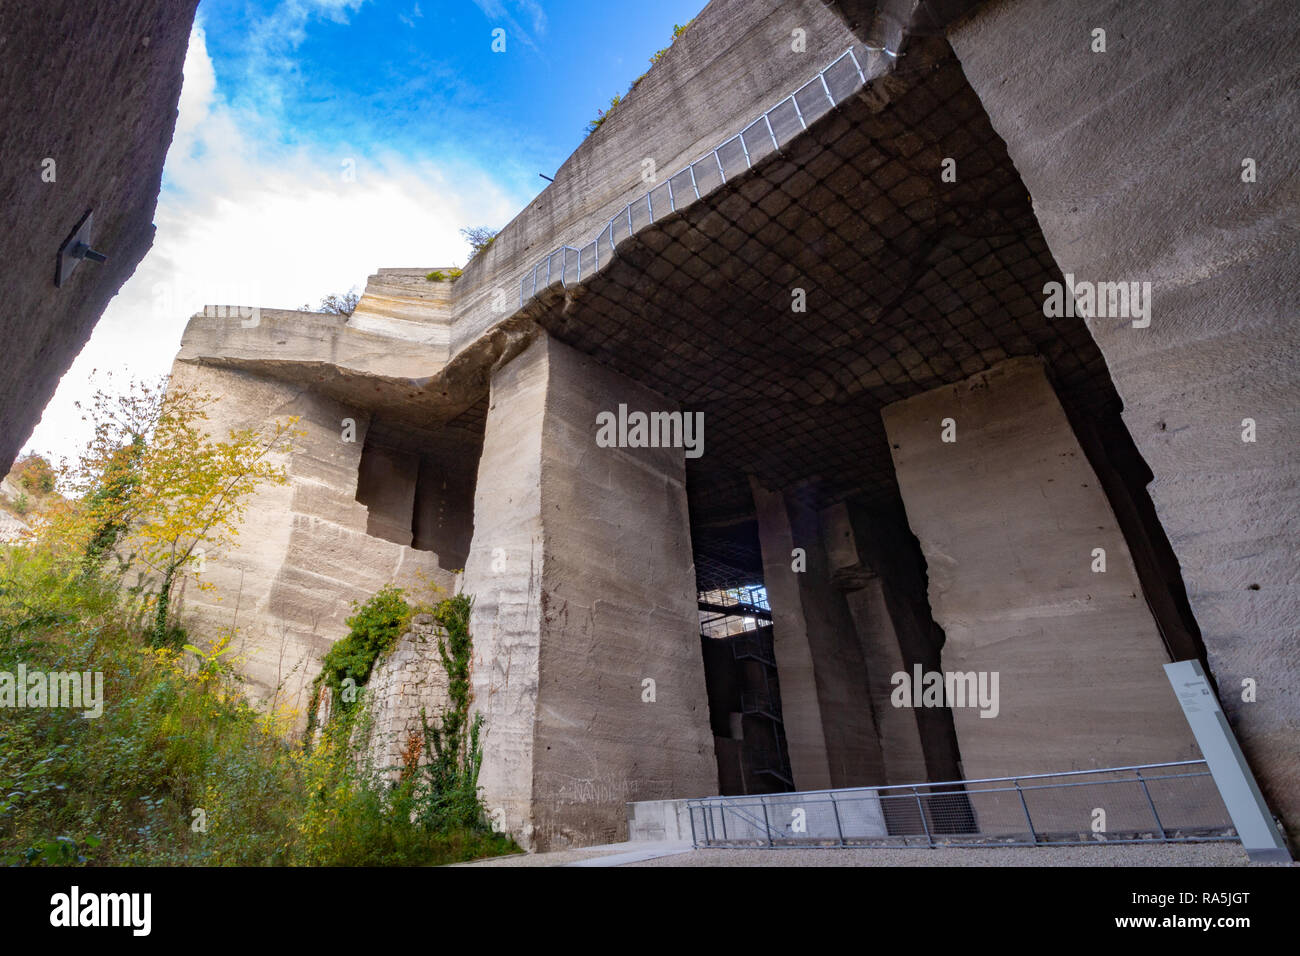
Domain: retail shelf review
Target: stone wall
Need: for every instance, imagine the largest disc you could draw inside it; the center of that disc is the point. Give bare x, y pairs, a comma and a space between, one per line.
408, 680
91, 86
1134, 159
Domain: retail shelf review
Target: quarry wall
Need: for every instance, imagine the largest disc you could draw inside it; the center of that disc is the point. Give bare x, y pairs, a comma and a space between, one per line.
1136, 159
88, 94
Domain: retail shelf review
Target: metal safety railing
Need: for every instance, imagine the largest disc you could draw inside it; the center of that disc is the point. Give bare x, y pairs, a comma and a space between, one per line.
770, 132
1174, 802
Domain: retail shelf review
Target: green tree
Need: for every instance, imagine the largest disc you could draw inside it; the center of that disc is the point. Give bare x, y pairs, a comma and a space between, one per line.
479, 238
335, 304
156, 489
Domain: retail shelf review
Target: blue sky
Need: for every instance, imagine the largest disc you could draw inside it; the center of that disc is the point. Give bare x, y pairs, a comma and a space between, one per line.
421, 78
319, 140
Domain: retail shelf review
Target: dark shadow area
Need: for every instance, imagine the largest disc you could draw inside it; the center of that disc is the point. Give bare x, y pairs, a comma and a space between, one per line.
419, 485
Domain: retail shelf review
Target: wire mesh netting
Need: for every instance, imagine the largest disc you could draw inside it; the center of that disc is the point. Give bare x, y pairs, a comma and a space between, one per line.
837, 275
773, 129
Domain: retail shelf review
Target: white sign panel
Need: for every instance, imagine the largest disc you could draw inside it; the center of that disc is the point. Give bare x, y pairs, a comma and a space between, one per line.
1259, 833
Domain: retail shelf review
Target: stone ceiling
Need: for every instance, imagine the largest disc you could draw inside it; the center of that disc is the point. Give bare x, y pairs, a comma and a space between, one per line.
910, 283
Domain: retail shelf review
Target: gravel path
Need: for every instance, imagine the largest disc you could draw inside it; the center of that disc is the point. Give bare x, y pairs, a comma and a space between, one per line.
671, 854
1168, 854
616, 854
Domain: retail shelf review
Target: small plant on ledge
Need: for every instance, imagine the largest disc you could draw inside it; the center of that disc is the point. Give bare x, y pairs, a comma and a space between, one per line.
602, 115
479, 238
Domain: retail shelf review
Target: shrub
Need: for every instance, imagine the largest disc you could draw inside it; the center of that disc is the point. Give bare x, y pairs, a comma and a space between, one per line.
335, 304
352, 818
373, 629
180, 769
121, 788
479, 238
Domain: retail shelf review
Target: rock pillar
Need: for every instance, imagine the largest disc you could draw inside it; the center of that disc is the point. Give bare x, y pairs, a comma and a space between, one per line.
587, 663
1170, 160
1014, 526
825, 697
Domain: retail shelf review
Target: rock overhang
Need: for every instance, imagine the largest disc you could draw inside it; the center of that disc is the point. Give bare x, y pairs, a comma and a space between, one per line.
907, 282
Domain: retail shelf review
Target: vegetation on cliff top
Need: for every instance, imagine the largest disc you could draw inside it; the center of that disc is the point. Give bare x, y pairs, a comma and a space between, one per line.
335, 304
602, 115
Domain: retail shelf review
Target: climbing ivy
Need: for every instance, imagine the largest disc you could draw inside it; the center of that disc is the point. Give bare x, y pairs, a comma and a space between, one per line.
452, 741
373, 629
442, 793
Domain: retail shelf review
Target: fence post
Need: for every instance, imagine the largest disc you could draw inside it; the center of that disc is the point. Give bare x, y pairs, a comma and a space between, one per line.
920, 808
822, 76
690, 810
766, 824
1028, 819
1164, 838
839, 830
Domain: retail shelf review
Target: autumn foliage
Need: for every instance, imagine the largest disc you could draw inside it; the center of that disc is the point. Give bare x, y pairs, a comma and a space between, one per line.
155, 492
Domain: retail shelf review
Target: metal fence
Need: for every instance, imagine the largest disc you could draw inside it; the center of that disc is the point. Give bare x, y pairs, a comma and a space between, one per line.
1162, 803
772, 130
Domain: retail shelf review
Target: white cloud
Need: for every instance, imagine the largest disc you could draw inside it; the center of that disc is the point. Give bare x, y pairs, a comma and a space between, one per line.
286, 27
244, 222
496, 12
538, 15
409, 19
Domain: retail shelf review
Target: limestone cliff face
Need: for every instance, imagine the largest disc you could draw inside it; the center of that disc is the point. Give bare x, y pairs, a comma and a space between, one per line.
579, 559
12, 527
303, 554
88, 94
1121, 195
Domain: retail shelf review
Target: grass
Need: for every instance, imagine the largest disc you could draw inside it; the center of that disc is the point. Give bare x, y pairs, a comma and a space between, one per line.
179, 769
